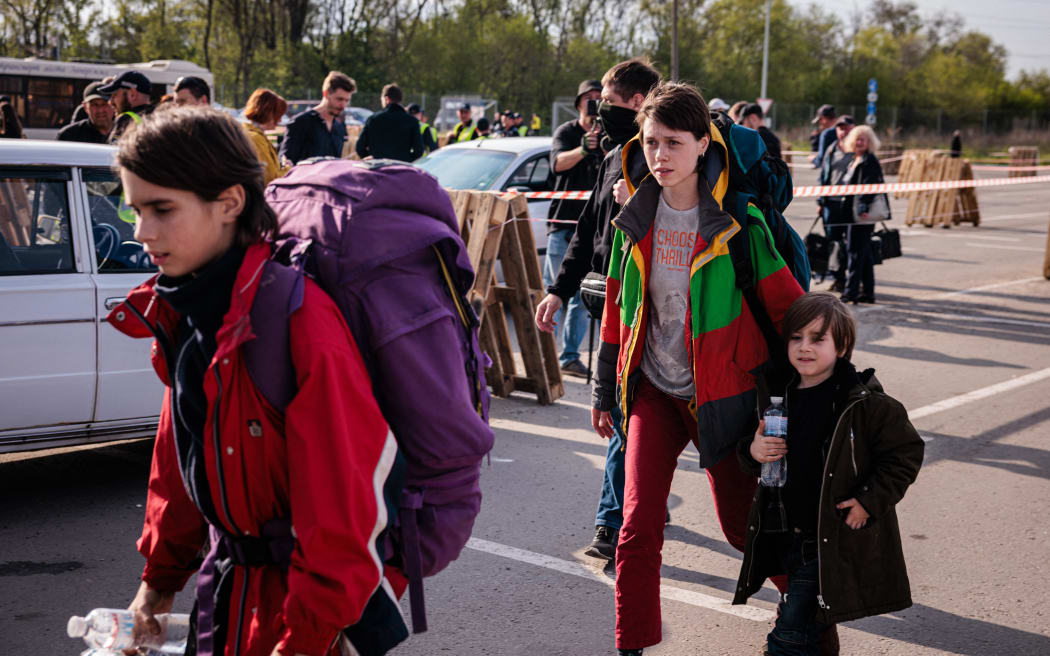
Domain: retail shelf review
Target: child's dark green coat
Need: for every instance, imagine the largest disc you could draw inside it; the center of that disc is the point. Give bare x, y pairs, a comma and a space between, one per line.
873, 455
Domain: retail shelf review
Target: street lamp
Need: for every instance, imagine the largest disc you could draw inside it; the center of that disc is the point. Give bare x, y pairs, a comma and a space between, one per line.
765, 53
674, 40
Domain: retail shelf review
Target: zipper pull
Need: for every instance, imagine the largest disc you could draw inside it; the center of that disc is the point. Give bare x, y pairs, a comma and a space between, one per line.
820, 601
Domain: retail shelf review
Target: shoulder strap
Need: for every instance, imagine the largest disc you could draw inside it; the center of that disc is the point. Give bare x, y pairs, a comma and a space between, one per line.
269, 356
470, 322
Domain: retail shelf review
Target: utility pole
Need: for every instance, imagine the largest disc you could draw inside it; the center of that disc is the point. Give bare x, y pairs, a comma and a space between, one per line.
674, 40
765, 53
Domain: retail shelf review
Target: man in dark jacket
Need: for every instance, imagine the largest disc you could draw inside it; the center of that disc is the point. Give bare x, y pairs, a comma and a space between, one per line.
430, 137
391, 133
575, 157
96, 127
129, 93
320, 132
825, 119
753, 117
624, 87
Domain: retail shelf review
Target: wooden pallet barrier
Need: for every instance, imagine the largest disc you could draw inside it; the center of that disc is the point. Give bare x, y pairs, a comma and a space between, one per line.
487, 223
1023, 156
943, 207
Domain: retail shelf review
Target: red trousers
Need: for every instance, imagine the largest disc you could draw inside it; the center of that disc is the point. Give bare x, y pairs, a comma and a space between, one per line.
659, 429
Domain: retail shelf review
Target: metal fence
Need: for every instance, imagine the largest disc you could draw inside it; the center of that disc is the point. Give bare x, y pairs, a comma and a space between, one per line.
932, 120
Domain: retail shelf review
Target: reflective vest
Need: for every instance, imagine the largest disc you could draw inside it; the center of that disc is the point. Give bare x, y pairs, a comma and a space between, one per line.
423, 127
124, 211
465, 133
536, 124
523, 130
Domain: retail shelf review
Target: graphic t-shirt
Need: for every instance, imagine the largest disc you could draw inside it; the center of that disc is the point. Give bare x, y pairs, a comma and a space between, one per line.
665, 360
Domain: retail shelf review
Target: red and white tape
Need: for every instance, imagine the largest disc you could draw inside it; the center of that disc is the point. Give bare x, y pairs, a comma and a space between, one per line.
813, 191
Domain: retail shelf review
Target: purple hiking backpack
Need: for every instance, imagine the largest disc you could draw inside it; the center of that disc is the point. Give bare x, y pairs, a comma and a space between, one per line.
381, 238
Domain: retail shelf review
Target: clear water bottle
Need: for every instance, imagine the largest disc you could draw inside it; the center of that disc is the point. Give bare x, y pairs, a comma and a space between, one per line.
110, 629
774, 474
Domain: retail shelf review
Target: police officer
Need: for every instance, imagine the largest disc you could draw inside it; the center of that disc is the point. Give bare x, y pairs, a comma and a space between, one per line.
129, 93
465, 130
430, 135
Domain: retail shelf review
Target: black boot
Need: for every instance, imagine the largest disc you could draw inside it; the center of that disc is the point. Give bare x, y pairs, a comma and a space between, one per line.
629, 652
604, 544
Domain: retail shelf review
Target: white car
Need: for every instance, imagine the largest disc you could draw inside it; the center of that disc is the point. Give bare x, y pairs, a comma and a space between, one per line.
509, 163
66, 258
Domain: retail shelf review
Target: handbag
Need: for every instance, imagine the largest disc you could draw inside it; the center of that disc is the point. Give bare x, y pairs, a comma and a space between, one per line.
889, 242
818, 249
592, 294
878, 210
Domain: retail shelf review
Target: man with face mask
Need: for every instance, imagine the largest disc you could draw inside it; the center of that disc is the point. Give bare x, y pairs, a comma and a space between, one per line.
624, 87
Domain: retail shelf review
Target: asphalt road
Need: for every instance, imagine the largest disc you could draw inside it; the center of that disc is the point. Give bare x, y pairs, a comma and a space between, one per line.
974, 525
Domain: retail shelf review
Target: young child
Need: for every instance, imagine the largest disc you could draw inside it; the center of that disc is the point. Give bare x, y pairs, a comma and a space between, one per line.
851, 454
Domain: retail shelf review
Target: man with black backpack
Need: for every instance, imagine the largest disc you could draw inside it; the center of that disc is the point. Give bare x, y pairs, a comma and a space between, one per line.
624, 87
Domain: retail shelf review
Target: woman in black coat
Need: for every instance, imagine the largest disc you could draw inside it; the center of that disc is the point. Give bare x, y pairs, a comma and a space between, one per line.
864, 169
10, 126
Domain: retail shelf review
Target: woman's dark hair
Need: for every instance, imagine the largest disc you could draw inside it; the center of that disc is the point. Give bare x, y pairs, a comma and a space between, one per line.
10, 126
834, 317
677, 105
205, 151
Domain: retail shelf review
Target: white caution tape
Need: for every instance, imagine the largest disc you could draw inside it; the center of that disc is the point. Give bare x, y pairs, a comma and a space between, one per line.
814, 191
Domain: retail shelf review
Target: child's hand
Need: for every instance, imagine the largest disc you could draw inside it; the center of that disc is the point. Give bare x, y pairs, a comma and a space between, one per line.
857, 516
767, 449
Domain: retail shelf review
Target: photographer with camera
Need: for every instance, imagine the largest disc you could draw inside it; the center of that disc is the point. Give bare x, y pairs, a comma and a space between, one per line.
576, 153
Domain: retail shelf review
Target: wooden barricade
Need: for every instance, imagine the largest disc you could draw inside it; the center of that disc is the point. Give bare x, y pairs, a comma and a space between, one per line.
785, 149
490, 232
943, 207
888, 156
353, 132
1023, 156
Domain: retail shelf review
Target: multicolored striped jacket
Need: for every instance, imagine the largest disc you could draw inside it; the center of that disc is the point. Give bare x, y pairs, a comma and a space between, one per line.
727, 348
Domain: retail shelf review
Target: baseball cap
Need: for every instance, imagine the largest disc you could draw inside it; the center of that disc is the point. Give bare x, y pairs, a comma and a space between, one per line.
845, 119
718, 105
586, 87
91, 92
825, 111
127, 80
465, 107
414, 108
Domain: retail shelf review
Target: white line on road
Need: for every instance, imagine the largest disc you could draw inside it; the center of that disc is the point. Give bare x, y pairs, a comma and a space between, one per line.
974, 290
673, 593
1007, 248
977, 395
954, 317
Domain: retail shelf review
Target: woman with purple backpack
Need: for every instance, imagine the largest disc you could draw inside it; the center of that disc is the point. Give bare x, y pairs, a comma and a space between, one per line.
290, 505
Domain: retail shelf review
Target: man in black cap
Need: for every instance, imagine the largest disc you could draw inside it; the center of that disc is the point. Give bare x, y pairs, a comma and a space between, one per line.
430, 135
193, 91
576, 153
96, 127
825, 119
391, 133
129, 94
752, 116
465, 130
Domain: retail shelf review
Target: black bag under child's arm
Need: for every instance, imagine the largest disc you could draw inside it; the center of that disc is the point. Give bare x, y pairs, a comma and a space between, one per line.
592, 294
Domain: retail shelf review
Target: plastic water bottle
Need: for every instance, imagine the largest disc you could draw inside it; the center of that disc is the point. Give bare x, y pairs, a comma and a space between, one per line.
774, 474
110, 629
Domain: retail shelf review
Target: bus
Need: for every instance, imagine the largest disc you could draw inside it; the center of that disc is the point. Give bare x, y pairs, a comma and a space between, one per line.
45, 92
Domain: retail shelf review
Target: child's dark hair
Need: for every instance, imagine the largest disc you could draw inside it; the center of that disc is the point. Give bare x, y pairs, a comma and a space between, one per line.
834, 315
205, 151
678, 106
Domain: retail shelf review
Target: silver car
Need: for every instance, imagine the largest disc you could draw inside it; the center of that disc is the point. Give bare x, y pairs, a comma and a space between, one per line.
516, 163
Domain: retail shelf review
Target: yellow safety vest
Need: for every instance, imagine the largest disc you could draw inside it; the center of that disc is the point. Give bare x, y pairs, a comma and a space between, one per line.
465, 134
423, 127
124, 211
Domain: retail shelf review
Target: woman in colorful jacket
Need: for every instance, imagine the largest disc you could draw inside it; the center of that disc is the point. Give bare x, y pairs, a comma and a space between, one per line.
288, 506
679, 346
264, 111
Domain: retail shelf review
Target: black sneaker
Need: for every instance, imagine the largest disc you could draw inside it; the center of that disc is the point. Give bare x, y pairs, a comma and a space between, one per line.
575, 368
629, 652
604, 544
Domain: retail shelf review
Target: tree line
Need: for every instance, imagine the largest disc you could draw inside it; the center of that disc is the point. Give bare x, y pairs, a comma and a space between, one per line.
528, 52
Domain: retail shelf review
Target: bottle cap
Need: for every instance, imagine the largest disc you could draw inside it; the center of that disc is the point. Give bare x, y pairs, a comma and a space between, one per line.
77, 627
776, 400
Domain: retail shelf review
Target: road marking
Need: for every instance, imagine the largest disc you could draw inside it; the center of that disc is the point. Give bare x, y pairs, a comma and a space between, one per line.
977, 395
671, 592
941, 235
954, 317
1007, 248
974, 290
574, 404
495, 459
583, 435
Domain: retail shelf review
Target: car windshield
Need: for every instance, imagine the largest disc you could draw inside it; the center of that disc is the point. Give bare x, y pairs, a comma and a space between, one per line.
457, 168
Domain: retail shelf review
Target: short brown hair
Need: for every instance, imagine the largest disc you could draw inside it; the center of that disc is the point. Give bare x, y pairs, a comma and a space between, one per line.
265, 105
393, 92
677, 105
205, 151
834, 315
339, 81
630, 77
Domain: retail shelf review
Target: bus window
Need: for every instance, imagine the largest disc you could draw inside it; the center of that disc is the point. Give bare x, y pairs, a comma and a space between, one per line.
51, 102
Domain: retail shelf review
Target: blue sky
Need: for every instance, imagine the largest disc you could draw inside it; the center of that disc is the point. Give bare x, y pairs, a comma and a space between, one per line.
1022, 26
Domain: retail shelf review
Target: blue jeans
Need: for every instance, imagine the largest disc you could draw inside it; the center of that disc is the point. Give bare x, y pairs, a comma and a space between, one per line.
575, 327
796, 631
610, 506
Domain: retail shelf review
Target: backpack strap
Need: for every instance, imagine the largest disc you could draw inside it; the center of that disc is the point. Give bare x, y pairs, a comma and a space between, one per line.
268, 357
470, 322
744, 271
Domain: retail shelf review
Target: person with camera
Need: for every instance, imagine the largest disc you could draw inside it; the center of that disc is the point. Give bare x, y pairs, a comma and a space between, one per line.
624, 87
576, 153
